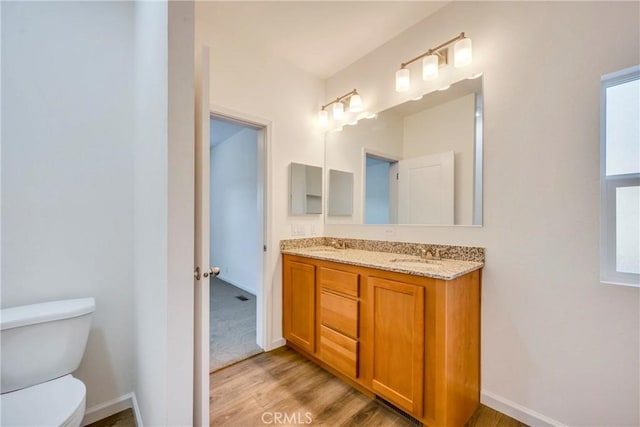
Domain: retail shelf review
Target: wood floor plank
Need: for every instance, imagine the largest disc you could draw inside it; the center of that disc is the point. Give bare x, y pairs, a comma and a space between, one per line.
121, 419
282, 383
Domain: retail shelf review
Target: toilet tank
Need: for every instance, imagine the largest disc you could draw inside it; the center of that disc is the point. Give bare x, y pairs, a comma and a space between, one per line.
41, 342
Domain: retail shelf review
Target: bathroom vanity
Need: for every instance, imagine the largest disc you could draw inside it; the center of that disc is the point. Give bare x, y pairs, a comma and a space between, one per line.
397, 326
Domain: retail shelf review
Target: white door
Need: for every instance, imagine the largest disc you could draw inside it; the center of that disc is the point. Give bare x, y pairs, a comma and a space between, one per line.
426, 189
201, 320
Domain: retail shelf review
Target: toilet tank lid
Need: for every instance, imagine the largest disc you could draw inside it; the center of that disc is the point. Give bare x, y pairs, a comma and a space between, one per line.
15, 317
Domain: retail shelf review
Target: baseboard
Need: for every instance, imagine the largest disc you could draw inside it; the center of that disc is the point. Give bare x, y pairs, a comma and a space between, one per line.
106, 409
136, 410
280, 342
514, 410
237, 285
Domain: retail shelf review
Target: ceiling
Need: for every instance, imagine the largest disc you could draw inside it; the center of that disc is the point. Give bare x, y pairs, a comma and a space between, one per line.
319, 37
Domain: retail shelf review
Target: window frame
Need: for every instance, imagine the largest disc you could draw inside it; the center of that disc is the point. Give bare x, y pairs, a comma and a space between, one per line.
608, 186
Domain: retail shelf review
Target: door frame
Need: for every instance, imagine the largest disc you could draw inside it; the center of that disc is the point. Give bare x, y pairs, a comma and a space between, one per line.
264, 305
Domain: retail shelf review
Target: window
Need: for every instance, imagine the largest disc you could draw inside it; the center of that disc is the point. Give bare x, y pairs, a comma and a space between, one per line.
620, 178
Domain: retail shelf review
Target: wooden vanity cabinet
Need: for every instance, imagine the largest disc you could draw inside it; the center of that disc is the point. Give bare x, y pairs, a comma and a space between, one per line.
413, 341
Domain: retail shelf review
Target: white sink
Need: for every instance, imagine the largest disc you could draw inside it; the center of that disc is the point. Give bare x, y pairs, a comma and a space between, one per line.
414, 263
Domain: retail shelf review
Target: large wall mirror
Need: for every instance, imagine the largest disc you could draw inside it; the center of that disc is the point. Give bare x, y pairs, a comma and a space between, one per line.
419, 162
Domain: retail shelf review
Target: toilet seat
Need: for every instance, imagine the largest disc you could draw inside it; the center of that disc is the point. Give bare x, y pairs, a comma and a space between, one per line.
59, 402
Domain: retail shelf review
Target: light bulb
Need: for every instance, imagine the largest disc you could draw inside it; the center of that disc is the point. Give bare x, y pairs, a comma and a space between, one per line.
403, 80
462, 53
430, 67
323, 118
338, 111
355, 103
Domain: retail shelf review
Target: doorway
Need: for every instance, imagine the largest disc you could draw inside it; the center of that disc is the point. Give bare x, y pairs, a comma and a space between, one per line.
236, 239
381, 189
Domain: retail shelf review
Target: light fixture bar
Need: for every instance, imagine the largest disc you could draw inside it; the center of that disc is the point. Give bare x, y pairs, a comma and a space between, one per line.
433, 50
340, 98
338, 111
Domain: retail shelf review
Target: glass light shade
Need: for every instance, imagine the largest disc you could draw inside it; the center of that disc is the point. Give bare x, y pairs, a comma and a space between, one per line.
403, 80
323, 118
355, 103
430, 67
338, 111
462, 53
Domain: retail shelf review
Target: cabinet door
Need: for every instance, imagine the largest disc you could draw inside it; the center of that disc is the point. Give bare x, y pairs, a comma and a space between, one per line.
396, 311
299, 304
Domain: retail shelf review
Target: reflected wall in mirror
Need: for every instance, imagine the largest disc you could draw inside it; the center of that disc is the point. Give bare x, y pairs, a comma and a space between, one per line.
419, 162
305, 189
340, 193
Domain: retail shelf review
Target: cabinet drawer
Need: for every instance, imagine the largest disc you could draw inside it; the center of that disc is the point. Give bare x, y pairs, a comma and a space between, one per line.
340, 281
339, 313
339, 351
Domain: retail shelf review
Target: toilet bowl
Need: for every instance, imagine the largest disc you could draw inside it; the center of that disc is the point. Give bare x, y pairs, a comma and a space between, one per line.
41, 345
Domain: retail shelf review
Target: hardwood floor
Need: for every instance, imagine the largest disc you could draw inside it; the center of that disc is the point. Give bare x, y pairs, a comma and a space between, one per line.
283, 388
121, 419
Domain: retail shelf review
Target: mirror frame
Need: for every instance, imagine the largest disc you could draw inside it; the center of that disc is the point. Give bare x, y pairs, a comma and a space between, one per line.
478, 161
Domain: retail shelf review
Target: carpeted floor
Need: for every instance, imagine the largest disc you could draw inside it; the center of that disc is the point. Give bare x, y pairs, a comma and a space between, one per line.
232, 325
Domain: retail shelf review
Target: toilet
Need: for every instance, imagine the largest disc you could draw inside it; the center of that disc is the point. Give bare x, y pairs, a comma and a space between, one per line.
42, 344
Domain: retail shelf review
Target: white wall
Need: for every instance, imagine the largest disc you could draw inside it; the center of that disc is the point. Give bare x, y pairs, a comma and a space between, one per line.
554, 340
67, 172
234, 213
446, 127
180, 214
163, 194
250, 81
150, 203
97, 186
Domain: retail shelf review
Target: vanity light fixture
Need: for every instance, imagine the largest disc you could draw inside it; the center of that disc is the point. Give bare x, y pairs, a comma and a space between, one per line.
435, 58
352, 99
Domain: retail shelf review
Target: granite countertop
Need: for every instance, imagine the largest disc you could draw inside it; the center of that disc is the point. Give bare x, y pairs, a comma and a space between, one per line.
445, 269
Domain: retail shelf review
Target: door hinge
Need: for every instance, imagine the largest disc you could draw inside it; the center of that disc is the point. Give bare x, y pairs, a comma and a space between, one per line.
264, 248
